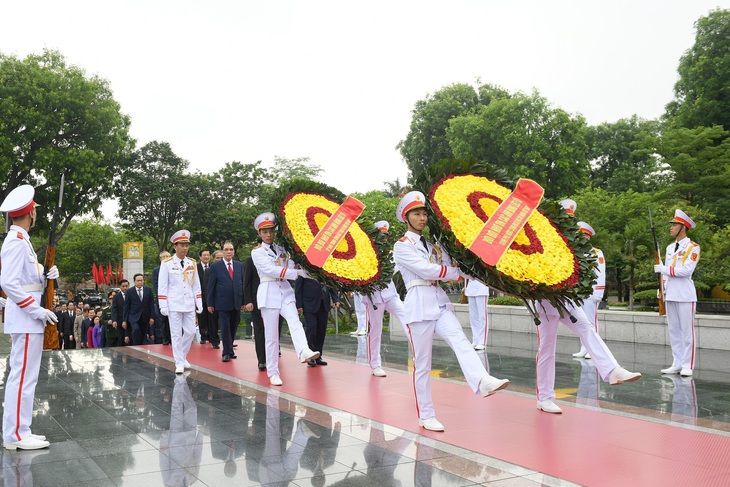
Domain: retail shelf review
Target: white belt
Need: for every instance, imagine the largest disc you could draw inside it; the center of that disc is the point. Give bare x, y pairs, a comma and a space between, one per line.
419, 282
38, 287
271, 279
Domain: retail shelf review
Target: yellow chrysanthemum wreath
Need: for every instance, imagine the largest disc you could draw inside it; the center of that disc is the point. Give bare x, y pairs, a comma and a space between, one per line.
548, 258
359, 263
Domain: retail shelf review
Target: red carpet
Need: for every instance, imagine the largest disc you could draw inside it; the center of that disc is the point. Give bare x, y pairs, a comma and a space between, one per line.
582, 446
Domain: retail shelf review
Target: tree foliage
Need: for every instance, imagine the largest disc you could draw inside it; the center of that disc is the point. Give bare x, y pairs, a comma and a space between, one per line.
56, 119
702, 93
87, 242
154, 191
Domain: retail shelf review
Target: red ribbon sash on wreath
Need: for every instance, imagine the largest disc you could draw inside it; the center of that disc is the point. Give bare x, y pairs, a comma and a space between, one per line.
330, 235
511, 215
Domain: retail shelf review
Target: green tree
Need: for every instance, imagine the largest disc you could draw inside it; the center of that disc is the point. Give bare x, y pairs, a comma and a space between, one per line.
527, 137
426, 142
86, 242
702, 93
699, 160
56, 119
623, 155
154, 192
380, 206
394, 189
287, 169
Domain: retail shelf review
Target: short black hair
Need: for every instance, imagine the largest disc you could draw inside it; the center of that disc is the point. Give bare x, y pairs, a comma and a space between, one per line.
123, 281
200, 254
137, 274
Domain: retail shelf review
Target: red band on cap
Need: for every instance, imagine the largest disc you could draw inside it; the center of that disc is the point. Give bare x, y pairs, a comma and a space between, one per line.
410, 206
22, 211
265, 224
683, 222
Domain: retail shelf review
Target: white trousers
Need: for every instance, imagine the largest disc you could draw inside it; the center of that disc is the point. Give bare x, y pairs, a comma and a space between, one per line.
479, 319
25, 364
393, 306
681, 321
360, 313
182, 332
420, 334
547, 339
270, 317
590, 308
279, 466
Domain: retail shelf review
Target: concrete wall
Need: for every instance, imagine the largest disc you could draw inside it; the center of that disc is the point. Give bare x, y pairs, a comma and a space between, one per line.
712, 331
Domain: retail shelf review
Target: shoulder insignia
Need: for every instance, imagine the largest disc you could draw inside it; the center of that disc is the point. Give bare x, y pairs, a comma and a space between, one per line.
691, 243
694, 256
403, 238
596, 249
20, 236
168, 259
192, 260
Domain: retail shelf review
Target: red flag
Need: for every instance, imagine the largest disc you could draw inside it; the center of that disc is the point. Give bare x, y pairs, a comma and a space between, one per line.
95, 273
109, 273
121, 272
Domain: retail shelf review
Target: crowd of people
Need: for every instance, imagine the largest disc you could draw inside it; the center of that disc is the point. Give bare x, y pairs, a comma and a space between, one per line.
205, 297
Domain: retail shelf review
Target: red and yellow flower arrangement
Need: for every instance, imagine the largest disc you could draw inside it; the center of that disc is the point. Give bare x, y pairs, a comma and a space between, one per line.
359, 263
549, 258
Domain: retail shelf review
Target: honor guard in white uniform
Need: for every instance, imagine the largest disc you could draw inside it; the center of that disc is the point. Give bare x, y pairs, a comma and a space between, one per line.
276, 298
180, 297
547, 338
477, 293
361, 315
590, 304
23, 280
429, 311
680, 295
376, 305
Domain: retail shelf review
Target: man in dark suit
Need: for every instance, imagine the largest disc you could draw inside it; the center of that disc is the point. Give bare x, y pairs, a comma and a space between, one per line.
315, 301
204, 317
225, 295
117, 313
139, 312
213, 333
69, 339
162, 328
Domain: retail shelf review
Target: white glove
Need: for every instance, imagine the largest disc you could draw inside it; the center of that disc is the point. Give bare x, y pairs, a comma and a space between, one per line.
303, 273
163, 312
3, 301
659, 269
52, 273
45, 315
198, 309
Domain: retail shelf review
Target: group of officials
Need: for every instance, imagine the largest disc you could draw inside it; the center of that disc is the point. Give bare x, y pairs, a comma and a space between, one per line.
426, 311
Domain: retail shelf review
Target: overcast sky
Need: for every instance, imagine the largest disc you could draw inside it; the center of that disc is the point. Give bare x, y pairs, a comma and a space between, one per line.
336, 81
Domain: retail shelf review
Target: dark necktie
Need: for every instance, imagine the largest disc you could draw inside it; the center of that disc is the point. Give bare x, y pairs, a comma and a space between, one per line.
423, 241
676, 247
230, 270
139, 293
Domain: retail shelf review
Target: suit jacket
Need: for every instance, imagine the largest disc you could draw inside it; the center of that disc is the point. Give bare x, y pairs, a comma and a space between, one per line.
66, 323
224, 293
118, 308
310, 295
203, 282
156, 279
251, 283
136, 311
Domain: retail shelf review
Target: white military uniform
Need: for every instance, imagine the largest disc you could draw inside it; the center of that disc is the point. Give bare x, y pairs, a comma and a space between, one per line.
181, 445
428, 310
477, 294
275, 297
23, 281
590, 304
547, 338
360, 314
386, 299
680, 297
180, 297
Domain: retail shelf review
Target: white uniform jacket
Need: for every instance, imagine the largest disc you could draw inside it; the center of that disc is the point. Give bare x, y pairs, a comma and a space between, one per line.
677, 271
275, 269
476, 288
600, 286
421, 269
179, 285
23, 281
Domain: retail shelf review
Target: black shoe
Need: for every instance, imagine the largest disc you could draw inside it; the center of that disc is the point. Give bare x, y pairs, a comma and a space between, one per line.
320, 362
226, 358
165, 343
235, 345
234, 356
312, 363
262, 366
203, 342
216, 347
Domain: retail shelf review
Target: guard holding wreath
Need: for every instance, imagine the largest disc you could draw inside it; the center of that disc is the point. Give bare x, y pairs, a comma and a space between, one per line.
429, 311
275, 297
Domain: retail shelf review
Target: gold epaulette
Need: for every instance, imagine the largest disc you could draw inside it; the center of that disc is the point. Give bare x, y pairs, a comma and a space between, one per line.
168, 259
403, 238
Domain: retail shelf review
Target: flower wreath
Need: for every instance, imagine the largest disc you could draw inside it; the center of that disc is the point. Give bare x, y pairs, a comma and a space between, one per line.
549, 259
359, 263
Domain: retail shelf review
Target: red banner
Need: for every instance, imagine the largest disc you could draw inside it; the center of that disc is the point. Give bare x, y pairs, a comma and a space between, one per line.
505, 223
330, 235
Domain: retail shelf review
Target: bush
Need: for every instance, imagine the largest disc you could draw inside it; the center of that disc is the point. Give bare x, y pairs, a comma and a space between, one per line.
506, 301
648, 295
